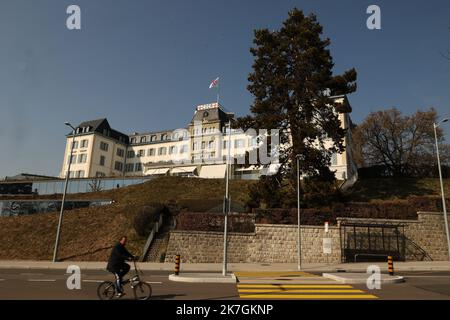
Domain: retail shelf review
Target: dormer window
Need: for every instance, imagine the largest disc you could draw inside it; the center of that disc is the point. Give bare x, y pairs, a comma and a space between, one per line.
133, 140
153, 138
143, 139
163, 137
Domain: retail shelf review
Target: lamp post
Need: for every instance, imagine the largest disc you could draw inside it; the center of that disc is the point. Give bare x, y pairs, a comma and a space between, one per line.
299, 232
442, 184
58, 232
226, 205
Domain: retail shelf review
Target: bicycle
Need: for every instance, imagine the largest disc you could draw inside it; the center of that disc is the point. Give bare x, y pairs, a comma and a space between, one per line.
141, 290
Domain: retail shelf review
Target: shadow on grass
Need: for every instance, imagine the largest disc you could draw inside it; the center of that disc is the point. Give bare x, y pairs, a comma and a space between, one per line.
389, 188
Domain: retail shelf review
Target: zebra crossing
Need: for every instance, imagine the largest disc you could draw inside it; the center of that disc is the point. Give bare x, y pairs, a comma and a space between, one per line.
301, 291
295, 285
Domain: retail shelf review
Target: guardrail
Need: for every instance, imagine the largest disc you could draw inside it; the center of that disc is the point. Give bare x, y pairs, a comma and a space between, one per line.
151, 236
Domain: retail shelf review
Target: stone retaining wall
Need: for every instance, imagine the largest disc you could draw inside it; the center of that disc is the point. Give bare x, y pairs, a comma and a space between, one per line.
278, 243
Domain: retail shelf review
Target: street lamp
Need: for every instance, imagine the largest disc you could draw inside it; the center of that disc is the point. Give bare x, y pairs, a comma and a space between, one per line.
58, 232
442, 184
299, 232
226, 205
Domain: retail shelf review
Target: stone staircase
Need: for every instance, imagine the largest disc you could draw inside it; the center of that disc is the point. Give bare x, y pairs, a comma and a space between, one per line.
159, 245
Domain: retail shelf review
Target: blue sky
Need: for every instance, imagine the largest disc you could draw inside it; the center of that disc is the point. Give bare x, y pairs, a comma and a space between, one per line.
145, 65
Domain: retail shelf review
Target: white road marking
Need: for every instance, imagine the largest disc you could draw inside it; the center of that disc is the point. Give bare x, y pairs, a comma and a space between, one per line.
31, 274
41, 280
153, 282
96, 281
2, 279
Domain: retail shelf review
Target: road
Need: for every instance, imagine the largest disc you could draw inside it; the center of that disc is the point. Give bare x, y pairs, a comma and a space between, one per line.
48, 284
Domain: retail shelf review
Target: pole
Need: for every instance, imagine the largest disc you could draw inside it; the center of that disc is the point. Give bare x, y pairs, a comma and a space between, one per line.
58, 232
442, 191
227, 205
299, 234
218, 92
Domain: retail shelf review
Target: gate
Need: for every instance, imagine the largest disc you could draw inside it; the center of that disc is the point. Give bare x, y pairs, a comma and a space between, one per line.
372, 241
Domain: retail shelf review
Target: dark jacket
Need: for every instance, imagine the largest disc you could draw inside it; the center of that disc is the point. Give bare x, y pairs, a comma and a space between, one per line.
119, 255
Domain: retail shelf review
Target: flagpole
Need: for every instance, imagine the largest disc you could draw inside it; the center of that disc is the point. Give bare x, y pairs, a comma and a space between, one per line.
218, 92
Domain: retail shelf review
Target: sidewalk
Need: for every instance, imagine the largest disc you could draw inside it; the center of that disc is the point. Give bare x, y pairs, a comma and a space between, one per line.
233, 267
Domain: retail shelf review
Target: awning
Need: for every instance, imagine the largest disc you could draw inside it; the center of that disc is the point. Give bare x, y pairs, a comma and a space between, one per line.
190, 169
271, 169
213, 171
250, 168
157, 171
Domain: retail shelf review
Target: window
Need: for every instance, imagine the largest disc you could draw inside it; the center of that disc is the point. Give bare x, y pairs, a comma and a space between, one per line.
334, 159
240, 143
195, 146
130, 154
102, 160
203, 144
129, 167
211, 145
84, 143
118, 166
163, 137
225, 144
120, 152
143, 139
150, 152
72, 174
103, 146
141, 153
100, 174
72, 159
75, 145
153, 138
133, 140
173, 150
138, 167
184, 148
82, 158
253, 142
80, 174
162, 151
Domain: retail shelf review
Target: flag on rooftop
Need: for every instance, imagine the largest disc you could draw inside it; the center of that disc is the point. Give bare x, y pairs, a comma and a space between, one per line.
214, 83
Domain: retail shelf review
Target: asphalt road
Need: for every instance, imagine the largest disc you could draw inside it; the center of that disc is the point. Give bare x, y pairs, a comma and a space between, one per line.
51, 285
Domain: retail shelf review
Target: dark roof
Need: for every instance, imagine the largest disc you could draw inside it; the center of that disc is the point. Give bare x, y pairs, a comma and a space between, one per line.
28, 176
101, 126
210, 115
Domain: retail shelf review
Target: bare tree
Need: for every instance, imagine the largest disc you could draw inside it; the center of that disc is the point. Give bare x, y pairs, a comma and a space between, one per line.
404, 145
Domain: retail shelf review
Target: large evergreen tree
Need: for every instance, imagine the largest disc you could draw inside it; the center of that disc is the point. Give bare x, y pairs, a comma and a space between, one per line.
292, 81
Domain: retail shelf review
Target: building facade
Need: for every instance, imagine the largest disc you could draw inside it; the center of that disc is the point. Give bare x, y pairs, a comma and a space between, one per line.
201, 149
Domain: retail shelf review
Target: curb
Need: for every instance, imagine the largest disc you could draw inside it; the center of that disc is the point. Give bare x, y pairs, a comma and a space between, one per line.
197, 278
341, 279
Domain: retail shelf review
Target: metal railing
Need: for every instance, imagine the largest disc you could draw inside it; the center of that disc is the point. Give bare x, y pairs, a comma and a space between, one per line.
151, 236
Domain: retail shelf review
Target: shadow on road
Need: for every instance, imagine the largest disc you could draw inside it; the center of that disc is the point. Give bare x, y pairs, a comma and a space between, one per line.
166, 296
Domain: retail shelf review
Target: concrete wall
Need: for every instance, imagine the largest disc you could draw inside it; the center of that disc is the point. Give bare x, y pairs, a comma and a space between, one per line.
278, 243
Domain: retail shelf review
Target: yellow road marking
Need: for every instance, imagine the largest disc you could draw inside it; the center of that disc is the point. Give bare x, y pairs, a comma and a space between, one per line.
295, 286
272, 274
301, 291
309, 296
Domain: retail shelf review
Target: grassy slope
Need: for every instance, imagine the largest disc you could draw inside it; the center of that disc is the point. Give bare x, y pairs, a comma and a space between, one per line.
391, 189
88, 233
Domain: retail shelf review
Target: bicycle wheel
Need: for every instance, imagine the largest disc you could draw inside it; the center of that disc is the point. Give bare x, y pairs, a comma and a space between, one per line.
142, 291
106, 290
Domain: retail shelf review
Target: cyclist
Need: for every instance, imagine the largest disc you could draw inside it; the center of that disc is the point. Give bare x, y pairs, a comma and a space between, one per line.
117, 265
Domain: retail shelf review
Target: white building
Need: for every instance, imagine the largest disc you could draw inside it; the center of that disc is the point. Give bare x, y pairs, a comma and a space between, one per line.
198, 150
